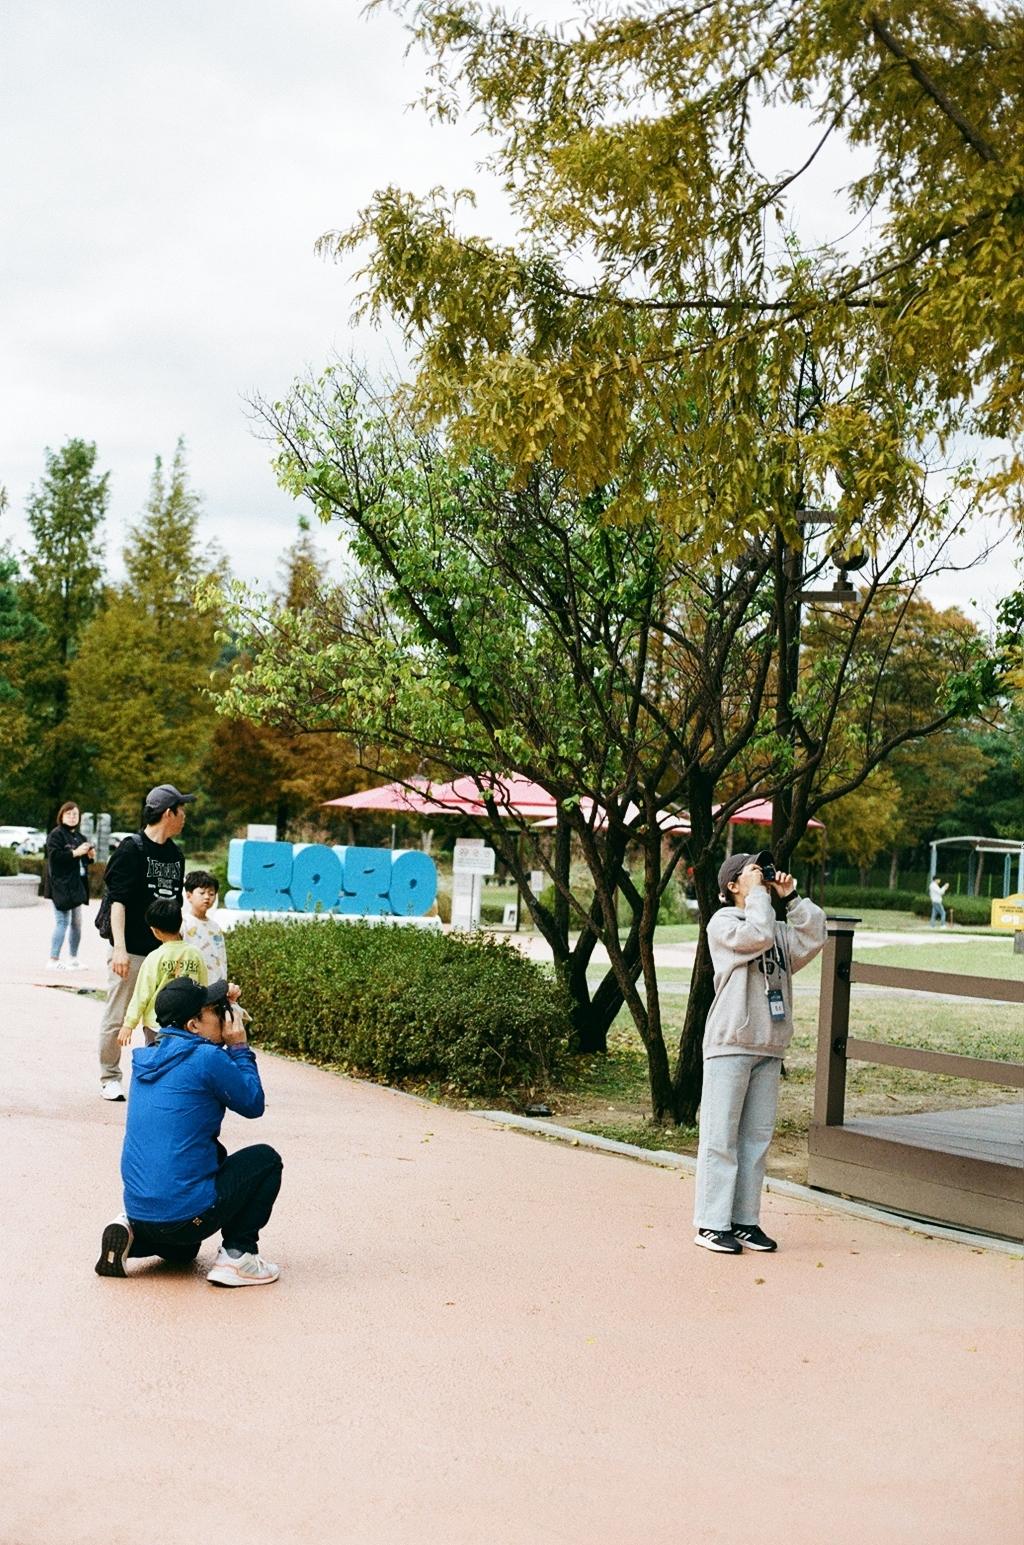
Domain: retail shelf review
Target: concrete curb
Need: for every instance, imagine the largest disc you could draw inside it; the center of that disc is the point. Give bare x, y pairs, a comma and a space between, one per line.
666, 1159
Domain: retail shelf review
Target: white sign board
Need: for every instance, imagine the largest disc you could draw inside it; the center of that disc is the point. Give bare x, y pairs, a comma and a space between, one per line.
472, 856
466, 889
258, 833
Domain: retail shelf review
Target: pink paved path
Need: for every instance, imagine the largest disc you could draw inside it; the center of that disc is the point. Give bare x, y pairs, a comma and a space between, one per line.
476, 1337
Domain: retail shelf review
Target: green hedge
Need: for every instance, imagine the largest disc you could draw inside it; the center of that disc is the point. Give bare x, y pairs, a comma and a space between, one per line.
874, 898
970, 911
400, 1004
10, 861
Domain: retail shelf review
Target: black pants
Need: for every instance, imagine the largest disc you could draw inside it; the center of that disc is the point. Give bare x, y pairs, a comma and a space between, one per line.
247, 1185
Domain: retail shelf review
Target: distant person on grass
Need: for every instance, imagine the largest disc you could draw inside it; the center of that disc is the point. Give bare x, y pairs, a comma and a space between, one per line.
180, 1184
935, 895
68, 856
749, 1027
144, 867
172, 958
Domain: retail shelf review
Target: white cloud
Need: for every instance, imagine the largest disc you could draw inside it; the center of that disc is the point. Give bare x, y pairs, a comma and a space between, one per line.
169, 170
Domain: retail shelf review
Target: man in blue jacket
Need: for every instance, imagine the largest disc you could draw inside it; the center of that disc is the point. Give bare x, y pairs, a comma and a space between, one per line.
180, 1184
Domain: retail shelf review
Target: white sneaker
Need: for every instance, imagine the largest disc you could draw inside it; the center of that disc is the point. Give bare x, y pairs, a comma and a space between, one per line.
54, 965
112, 1090
247, 1271
116, 1242
74, 964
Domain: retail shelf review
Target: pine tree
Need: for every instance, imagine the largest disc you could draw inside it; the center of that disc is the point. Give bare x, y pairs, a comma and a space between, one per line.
63, 589
137, 684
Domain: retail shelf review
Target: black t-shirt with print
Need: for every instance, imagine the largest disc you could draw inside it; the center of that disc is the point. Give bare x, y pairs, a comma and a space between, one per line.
137, 875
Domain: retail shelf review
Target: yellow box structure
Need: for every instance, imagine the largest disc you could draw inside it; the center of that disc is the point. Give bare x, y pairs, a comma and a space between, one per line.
1008, 912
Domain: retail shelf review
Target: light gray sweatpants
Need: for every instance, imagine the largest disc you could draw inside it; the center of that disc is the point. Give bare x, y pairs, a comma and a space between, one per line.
737, 1119
119, 995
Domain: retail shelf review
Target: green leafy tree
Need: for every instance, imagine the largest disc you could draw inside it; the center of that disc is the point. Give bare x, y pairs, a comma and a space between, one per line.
655, 232
63, 589
137, 683
507, 626
17, 628
257, 771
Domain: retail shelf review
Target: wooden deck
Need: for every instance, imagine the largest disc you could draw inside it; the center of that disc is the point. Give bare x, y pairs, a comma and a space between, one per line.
963, 1166
992, 1132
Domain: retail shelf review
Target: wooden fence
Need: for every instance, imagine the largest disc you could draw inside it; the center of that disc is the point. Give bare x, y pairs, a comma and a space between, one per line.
963, 1166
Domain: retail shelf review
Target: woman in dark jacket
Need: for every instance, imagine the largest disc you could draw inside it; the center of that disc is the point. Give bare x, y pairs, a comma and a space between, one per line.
68, 856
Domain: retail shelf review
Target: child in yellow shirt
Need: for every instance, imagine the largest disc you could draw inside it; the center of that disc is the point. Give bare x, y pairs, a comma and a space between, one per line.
175, 957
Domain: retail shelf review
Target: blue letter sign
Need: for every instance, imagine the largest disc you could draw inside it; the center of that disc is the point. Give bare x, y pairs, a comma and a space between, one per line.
308, 877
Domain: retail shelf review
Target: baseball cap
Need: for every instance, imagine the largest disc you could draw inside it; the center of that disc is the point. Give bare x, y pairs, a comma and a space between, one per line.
732, 869
165, 796
183, 998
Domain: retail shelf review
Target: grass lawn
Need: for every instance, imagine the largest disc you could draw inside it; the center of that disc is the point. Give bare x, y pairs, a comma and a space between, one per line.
609, 1095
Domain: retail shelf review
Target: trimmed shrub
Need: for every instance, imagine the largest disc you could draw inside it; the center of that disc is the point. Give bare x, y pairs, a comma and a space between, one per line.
971, 911
10, 861
874, 898
401, 1005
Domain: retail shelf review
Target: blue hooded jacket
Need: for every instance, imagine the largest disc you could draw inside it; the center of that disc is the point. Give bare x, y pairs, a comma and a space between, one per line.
180, 1090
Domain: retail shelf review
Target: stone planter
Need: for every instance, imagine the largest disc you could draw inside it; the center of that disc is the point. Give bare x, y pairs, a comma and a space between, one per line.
19, 890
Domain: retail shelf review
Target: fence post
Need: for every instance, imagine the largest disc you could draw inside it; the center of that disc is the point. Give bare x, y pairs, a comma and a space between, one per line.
833, 1023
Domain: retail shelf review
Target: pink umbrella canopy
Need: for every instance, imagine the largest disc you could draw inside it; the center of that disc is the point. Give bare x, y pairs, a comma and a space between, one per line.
669, 822
513, 796
392, 799
758, 812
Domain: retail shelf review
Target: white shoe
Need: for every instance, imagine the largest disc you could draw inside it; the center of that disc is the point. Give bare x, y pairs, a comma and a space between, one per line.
112, 1090
55, 965
117, 1241
74, 964
247, 1271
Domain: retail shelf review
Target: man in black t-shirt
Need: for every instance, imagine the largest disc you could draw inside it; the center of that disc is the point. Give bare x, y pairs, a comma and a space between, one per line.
142, 868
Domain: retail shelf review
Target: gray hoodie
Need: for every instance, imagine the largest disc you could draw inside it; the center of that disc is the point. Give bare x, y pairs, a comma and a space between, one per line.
739, 1020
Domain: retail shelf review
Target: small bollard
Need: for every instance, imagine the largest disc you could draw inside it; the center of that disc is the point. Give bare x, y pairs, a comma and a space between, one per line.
1018, 941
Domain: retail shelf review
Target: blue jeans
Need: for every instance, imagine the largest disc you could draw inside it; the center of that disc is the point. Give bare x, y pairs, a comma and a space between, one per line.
738, 1103
61, 922
938, 914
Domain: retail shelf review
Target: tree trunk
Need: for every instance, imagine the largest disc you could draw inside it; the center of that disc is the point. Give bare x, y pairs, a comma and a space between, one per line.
862, 875
688, 1074
894, 869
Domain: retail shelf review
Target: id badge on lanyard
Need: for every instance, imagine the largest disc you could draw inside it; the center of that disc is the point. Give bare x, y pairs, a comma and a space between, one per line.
776, 1001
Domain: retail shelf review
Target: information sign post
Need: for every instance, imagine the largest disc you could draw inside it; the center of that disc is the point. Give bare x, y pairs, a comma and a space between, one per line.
471, 861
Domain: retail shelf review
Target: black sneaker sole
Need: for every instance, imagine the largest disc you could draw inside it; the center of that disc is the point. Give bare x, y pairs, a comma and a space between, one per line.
711, 1244
114, 1246
748, 1244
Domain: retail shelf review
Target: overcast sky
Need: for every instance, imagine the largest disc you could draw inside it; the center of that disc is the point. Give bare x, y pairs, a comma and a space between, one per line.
167, 170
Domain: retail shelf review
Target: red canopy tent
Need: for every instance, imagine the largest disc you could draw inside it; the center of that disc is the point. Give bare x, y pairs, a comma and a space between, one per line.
758, 812
671, 824
513, 796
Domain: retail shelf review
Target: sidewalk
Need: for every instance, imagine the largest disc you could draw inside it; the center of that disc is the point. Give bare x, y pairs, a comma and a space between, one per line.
476, 1337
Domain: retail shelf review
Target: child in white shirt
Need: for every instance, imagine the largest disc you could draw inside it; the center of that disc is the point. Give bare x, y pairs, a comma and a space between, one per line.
200, 930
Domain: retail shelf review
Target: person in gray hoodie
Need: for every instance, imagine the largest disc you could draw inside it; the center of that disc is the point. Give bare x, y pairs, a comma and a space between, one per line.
748, 1029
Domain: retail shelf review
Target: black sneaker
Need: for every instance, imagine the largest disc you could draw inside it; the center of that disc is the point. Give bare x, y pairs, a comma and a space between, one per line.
753, 1237
721, 1240
117, 1241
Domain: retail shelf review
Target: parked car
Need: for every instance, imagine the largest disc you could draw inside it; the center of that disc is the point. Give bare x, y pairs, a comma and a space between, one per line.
23, 839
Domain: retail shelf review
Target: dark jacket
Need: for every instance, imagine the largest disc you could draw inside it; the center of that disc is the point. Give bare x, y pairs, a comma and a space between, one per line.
66, 874
180, 1090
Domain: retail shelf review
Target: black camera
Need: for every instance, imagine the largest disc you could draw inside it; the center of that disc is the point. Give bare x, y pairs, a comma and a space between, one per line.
766, 864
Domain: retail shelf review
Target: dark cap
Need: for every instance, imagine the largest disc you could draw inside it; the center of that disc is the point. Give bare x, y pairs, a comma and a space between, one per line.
731, 870
183, 999
165, 796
